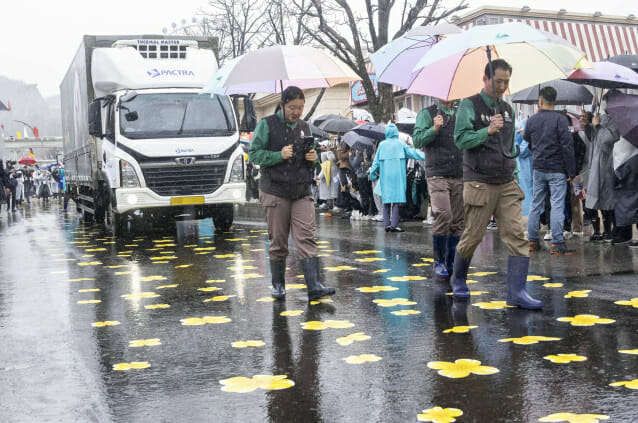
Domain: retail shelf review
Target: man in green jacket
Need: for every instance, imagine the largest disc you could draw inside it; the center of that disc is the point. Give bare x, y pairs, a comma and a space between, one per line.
484, 124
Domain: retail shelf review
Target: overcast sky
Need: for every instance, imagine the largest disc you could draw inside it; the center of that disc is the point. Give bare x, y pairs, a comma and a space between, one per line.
38, 38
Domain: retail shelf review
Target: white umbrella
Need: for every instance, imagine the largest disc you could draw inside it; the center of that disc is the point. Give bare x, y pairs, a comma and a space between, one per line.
273, 69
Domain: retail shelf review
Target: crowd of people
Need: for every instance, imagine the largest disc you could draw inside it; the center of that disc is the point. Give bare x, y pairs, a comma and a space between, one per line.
481, 169
20, 183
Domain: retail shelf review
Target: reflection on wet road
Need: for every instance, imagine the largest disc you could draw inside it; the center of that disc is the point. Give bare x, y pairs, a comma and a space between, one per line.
179, 326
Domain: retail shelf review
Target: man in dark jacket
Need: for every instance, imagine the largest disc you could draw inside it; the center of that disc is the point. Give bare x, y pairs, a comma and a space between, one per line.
552, 145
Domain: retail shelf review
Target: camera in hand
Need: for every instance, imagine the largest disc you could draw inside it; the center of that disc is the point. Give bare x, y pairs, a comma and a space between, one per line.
302, 147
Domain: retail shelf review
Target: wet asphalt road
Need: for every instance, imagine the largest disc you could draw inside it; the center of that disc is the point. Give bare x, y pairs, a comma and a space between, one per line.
61, 280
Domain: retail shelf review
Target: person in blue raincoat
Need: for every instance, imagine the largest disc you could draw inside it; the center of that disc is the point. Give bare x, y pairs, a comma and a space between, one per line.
524, 166
389, 167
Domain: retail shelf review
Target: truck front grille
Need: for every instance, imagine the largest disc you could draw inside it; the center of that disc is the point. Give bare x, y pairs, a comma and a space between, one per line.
184, 180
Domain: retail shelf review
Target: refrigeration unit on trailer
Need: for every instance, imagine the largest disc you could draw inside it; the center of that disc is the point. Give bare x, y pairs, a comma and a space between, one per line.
139, 139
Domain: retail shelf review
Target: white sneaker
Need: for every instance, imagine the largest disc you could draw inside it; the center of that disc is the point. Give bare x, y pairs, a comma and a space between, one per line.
378, 218
324, 206
428, 221
365, 217
548, 236
336, 209
578, 234
567, 235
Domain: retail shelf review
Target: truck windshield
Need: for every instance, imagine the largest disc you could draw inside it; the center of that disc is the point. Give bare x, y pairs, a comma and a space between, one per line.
179, 115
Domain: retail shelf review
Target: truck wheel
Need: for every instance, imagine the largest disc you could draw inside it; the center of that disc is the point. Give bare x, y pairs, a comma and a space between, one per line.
88, 217
113, 222
223, 218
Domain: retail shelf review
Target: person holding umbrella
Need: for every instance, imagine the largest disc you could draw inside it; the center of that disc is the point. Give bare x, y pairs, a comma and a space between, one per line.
434, 131
484, 123
285, 191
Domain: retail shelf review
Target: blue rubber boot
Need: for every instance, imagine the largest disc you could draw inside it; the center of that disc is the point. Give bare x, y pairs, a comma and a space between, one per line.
459, 277
517, 267
439, 243
452, 242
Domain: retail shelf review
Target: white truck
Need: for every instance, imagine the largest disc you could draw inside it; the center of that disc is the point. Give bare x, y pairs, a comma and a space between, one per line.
141, 142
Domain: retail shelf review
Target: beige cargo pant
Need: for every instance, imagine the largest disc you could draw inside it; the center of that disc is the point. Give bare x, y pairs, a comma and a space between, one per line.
446, 196
503, 201
285, 216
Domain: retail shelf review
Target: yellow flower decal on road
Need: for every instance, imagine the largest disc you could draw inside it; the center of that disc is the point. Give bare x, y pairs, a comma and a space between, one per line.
531, 278
219, 298
89, 301
225, 255
492, 305
633, 302
327, 324
126, 272
585, 320
92, 250
164, 258
427, 259
131, 366
367, 252
183, 266
153, 278
248, 276
360, 359
382, 271
439, 415
265, 299
209, 289
405, 312
198, 321
90, 263
631, 384
155, 306
574, 418
370, 259
81, 279
482, 273
324, 300
204, 249
578, 294
242, 268
291, 313
296, 286
459, 329
394, 302
175, 285
462, 367
407, 278
527, 340
471, 293
246, 344
377, 288
144, 343
90, 290
339, 268
216, 281
242, 384
421, 264
553, 285
564, 358
140, 295
105, 323
347, 340
634, 351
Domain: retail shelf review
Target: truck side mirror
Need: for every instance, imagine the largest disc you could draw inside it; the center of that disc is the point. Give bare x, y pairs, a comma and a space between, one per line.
250, 115
95, 118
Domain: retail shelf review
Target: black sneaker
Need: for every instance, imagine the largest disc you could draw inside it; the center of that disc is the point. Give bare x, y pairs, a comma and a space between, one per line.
596, 236
633, 244
561, 248
606, 237
534, 246
619, 239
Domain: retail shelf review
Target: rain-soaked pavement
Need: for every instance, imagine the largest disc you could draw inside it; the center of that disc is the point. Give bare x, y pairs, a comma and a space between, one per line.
149, 328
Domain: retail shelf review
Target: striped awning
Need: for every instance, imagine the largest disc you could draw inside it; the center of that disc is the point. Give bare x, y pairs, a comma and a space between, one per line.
599, 41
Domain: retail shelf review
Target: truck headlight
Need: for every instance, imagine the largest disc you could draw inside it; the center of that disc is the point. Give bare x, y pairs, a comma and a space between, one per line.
128, 177
237, 171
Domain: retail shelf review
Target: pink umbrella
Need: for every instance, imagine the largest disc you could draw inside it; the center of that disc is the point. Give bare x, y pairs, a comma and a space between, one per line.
606, 75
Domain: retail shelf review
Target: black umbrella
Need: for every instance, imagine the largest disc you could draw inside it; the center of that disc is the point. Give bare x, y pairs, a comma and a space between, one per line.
356, 141
406, 127
627, 60
372, 130
622, 108
340, 125
316, 131
321, 119
567, 93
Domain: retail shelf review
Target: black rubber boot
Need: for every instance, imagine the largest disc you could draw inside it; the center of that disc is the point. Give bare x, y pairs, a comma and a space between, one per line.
316, 290
439, 244
517, 267
278, 272
459, 277
452, 242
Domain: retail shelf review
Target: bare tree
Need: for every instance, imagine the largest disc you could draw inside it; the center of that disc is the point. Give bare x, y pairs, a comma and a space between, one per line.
352, 35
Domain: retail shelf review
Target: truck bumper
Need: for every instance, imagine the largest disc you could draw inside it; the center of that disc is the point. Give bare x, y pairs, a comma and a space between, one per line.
143, 198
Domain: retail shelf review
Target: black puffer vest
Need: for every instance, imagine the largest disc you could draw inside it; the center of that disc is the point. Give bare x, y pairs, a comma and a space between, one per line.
291, 178
442, 157
486, 163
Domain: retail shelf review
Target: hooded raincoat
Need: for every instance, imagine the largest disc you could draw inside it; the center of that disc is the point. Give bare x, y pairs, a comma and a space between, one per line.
600, 184
524, 161
389, 166
328, 177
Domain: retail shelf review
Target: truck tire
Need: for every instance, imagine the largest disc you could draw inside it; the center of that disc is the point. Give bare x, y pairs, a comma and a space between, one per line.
113, 222
223, 218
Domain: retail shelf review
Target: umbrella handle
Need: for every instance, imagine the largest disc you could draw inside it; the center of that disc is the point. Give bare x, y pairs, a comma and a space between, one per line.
507, 154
